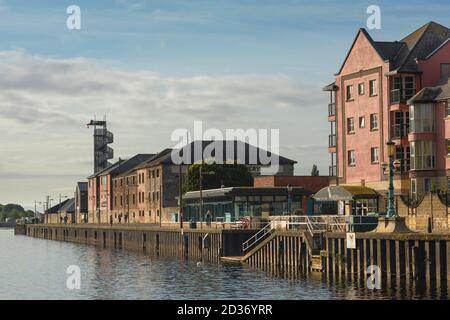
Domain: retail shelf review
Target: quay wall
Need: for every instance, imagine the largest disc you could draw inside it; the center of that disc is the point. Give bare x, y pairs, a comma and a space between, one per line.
413, 256
399, 256
193, 244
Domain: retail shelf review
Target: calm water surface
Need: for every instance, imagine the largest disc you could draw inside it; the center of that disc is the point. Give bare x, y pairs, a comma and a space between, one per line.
32, 268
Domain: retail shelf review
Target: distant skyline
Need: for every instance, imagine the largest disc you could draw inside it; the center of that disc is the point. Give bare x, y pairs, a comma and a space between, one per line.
155, 66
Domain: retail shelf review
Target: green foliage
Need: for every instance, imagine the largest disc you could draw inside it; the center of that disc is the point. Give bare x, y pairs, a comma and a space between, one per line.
216, 175
13, 211
314, 171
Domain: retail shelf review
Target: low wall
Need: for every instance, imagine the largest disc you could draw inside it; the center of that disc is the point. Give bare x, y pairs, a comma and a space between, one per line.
427, 211
203, 244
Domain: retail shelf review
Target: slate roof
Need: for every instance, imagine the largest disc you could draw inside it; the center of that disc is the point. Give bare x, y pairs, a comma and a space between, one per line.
402, 54
122, 166
431, 94
165, 157
57, 207
68, 207
82, 186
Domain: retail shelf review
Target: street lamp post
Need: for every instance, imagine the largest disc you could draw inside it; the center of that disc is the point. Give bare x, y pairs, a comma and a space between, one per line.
392, 222
391, 212
201, 190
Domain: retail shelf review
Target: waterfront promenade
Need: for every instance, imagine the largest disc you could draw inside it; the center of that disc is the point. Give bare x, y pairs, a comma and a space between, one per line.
283, 250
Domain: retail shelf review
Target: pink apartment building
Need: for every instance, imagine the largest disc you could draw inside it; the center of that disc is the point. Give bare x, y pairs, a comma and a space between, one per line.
369, 105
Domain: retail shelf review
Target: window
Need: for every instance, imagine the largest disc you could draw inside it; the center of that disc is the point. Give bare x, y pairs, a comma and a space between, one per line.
448, 146
351, 158
426, 185
422, 155
362, 122
361, 89
413, 186
349, 93
350, 125
374, 121
373, 88
157, 173
421, 118
445, 70
374, 155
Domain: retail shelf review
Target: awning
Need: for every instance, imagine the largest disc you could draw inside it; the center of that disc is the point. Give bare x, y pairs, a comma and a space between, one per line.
344, 193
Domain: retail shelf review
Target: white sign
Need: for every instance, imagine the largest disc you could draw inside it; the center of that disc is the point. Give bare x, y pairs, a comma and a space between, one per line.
351, 240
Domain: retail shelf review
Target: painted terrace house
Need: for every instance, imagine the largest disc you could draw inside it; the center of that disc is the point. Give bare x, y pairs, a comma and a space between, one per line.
369, 106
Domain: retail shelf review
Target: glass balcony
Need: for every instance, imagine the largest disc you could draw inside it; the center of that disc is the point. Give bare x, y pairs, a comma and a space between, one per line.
332, 171
331, 140
331, 109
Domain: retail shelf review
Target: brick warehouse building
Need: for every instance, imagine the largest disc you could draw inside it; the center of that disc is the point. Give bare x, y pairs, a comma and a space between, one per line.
158, 178
369, 106
101, 189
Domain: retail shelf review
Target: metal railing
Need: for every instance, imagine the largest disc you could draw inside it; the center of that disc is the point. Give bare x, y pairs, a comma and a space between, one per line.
261, 234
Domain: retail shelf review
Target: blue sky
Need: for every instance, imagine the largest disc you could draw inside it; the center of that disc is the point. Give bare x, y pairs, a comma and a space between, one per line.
153, 66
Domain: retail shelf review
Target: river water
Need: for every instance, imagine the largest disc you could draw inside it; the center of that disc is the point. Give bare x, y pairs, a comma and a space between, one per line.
32, 268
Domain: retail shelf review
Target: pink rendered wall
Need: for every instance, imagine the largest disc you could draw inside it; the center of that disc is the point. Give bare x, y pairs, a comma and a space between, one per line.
431, 68
440, 131
362, 57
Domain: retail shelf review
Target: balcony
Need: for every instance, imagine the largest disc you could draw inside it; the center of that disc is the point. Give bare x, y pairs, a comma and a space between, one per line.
399, 131
331, 109
332, 171
401, 95
331, 141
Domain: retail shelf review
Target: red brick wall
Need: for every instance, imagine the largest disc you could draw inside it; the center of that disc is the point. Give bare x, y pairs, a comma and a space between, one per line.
312, 183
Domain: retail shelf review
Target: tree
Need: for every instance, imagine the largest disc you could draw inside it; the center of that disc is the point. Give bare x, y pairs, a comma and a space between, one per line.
314, 171
13, 211
216, 175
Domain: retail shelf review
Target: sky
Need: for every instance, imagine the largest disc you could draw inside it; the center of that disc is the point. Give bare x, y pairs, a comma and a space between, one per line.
156, 66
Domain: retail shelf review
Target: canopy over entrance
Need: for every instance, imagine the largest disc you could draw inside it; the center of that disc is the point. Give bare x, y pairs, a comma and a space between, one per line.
345, 193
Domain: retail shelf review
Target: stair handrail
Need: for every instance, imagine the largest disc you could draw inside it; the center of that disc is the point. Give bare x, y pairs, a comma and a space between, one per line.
258, 236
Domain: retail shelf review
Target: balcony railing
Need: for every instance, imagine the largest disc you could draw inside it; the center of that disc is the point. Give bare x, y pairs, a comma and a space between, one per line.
401, 95
399, 130
331, 109
332, 140
332, 171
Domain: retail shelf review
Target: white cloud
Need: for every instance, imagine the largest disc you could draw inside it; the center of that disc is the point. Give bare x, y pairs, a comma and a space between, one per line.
46, 102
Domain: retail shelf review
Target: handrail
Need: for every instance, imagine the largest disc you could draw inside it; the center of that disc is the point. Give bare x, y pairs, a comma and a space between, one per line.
258, 236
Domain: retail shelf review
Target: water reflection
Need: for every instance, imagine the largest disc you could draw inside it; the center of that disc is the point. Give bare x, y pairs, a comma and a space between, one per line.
36, 269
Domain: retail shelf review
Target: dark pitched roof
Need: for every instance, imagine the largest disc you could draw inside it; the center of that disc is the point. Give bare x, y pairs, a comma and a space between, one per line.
122, 166
419, 44
107, 169
82, 186
431, 94
402, 54
68, 207
165, 157
57, 207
